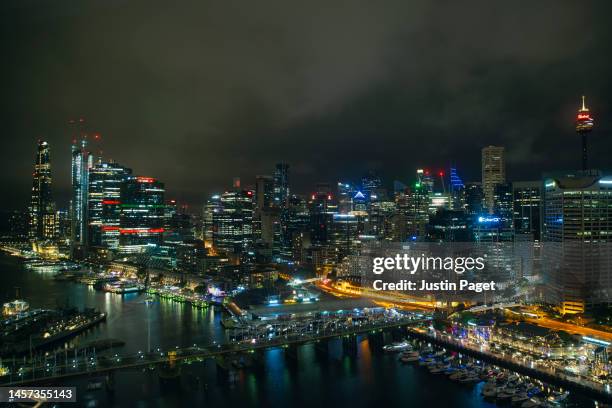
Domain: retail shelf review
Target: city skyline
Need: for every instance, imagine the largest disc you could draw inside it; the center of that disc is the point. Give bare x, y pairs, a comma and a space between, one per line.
201, 121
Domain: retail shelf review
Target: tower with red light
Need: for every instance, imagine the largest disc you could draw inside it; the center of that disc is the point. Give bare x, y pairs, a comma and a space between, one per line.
584, 125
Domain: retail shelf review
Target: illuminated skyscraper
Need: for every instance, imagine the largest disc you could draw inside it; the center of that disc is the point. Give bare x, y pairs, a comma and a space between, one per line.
212, 207
281, 184
527, 199
584, 126
82, 161
265, 192
370, 182
233, 223
493, 172
142, 214
577, 229
42, 208
104, 208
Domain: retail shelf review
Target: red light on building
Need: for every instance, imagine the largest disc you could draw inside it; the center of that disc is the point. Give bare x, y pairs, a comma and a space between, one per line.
250, 193
441, 174
426, 172
145, 179
111, 202
127, 231
329, 197
110, 228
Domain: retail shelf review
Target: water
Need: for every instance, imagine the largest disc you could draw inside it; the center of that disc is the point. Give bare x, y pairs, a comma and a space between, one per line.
371, 378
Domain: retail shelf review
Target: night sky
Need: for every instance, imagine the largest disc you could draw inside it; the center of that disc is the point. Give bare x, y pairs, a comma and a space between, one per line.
197, 92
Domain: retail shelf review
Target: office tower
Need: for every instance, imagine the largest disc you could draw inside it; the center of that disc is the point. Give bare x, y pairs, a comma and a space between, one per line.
212, 206
178, 225
63, 225
376, 223
345, 194
142, 214
457, 190
449, 226
438, 201
527, 200
82, 161
42, 208
233, 222
577, 232
281, 184
413, 205
264, 192
474, 198
370, 182
503, 204
584, 126
344, 234
17, 224
104, 203
360, 202
493, 172
295, 231
425, 180
321, 208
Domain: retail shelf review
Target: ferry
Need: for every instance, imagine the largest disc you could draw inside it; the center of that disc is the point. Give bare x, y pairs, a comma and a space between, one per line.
124, 287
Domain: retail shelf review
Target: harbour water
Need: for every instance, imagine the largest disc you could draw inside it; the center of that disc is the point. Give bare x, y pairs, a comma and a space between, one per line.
371, 378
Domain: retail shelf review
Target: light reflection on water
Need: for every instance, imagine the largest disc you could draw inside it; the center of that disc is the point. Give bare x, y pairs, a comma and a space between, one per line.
317, 380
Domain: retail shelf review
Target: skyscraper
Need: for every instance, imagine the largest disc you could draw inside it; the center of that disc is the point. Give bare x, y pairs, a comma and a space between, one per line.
584, 125
82, 161
527, 199
577, 227
493, 172
104, 203
281, 184
233, 222
42, 207
265, 192
142, 214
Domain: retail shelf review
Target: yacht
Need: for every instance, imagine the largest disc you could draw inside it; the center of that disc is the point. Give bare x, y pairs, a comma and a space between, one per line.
409, 356
397, 346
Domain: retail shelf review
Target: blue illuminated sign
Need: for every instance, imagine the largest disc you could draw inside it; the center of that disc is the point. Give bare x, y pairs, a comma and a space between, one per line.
485, 219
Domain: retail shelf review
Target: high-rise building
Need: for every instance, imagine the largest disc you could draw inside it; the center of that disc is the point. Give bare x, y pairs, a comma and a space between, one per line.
233, 223
142, 214
265, 192
576, 233
584, 126
82, 161
413, 205
474, 198
212, 207
281, 184
43, 223
370, 182
104, 208
457, 190
493, 172
503, 206
527, 200
344, 232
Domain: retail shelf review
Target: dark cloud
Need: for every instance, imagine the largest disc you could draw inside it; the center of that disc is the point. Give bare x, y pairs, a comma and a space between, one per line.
196, 92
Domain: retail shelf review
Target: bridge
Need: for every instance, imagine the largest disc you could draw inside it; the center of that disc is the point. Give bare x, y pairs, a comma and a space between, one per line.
48, 370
